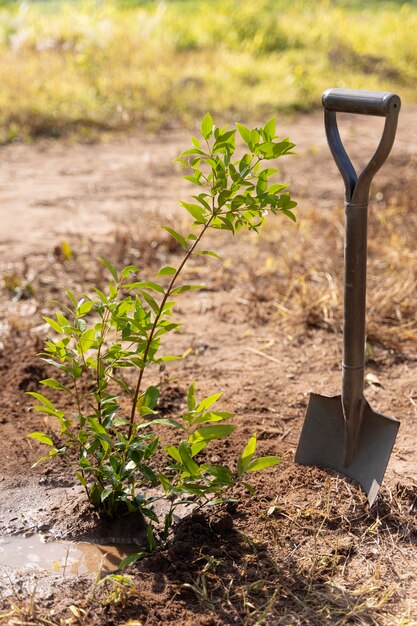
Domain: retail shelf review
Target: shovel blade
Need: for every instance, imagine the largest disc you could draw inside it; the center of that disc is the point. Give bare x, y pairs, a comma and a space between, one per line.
322, 442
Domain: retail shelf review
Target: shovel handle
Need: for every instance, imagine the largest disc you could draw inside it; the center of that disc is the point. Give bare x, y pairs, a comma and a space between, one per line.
378, 103
365, 103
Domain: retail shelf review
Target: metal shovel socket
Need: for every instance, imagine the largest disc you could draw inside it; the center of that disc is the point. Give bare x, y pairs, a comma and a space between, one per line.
343, 432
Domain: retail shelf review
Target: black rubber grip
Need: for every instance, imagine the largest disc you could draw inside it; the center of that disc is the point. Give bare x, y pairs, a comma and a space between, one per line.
364, 102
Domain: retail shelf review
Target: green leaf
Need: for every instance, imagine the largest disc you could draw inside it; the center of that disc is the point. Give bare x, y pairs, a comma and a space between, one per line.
246, 456
191, 152
227, 136
271, 150
267, 172
263, 462
48, 411
222, 474
132, 558
208, 253
197, 212
270, 129
244, 164
289, 214
149, 513
165, 327
249, 488
207, 402
129, 269
201, 198
115, 464
193, 179
212, 416
177, 237
274, 189
54, 384
50, 455
151, 301
184, 288
41, 398
84, 308
261, 186
87, 340
62, 319
207, 433
191, 401
254, 139
110, 268
101, 295
97, 427
151, 538
42, 438
105, 493
167, 524
207, 126
168, 422
71, 297
150, 398
197, 447
244, 132
144, 411
125, 581
81, 479
164, 480
54, 325
120, 421
186, 459
145, 284
167, 271
173, 452
169, 357
148, 473
267, 150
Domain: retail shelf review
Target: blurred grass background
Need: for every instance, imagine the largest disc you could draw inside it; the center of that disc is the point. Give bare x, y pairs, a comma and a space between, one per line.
84, 67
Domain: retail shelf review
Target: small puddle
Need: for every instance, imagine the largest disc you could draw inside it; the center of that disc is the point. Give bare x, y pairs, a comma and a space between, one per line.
66, 557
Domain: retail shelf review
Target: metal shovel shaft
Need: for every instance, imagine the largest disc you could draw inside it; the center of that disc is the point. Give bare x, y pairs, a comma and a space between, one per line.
353, 364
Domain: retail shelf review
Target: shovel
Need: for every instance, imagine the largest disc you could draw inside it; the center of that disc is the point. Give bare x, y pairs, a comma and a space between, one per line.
343, 433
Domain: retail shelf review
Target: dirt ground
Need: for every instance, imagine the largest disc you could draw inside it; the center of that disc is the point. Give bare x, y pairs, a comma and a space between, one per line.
307, 549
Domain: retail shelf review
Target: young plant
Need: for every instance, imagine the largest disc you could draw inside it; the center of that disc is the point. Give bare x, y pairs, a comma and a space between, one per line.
106, 342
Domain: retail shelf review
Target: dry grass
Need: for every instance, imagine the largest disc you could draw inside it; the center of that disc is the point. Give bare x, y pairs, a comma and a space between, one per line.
294, 277
308, 568
85, 68
349, 561
26, 614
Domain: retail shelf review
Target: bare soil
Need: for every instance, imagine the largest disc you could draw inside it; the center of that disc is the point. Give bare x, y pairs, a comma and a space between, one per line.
306, 549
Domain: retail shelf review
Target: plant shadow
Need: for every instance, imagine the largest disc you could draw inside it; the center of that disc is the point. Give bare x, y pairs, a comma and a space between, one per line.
217, 574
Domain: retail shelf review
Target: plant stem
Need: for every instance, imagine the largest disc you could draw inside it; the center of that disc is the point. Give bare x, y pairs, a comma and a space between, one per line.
158, 317
105, 321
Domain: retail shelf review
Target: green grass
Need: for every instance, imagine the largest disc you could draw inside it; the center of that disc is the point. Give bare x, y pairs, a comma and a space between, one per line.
94, 66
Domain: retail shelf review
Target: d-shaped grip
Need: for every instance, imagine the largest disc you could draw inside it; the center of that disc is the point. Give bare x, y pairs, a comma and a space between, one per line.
364, 102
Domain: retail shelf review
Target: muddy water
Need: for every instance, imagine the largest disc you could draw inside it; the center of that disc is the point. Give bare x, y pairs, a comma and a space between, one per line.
70, 558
